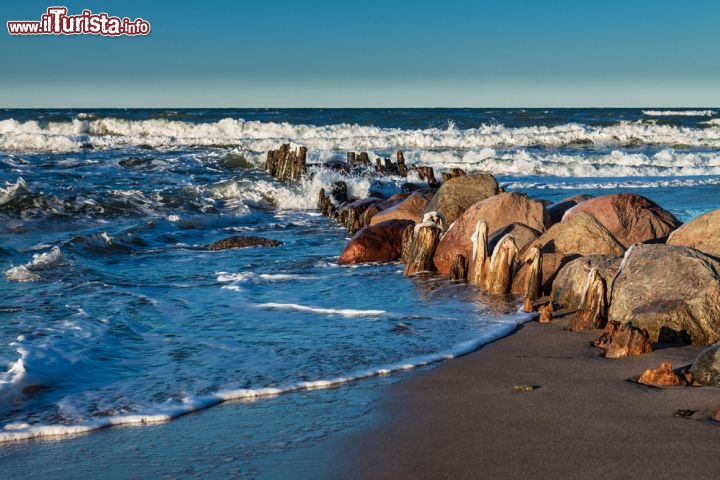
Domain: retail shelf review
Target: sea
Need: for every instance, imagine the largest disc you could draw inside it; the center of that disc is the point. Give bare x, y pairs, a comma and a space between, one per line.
113, 312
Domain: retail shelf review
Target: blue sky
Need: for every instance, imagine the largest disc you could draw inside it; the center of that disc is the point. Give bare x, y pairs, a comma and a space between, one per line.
372, 53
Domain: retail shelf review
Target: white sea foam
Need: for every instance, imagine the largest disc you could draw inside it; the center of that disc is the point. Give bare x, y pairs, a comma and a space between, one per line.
12, 190
166, 412
679, 113
254, 137
713, 122
268, 277
39, 262
345, 312
611, 184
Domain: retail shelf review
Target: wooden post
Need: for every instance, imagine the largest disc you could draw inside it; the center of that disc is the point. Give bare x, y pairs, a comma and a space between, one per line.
593, 306
425, 240
458, 269
533, 281
501, 265
479, 256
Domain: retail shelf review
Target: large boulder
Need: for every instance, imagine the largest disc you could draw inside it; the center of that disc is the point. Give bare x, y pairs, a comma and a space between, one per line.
670, 291
567, 289
412, 208
558, 209
706, 368
377, 243
498, 211
630, 218
702, 233
458, 194
581, 235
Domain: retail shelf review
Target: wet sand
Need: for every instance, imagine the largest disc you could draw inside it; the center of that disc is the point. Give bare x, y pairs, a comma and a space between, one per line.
584, 419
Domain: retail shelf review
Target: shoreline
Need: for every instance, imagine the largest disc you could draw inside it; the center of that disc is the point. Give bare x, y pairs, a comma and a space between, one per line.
463, 419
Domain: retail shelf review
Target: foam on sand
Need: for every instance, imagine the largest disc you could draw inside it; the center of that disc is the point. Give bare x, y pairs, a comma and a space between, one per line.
171, 410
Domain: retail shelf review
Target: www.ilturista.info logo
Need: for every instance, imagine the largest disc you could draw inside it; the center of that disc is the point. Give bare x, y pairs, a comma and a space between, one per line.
57, 22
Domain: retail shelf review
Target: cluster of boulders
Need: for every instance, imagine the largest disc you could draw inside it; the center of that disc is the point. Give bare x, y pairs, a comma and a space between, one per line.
619, 262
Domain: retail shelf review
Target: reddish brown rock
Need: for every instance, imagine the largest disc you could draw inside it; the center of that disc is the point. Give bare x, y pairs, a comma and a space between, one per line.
412, 208
701, 233
458, 194
669, 289
498, 211
628, 341
242, 242
558, 209
630, 218
661, 377
581, 235
378, 243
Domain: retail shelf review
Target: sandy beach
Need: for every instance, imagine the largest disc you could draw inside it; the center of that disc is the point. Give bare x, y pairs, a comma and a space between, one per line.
584, 419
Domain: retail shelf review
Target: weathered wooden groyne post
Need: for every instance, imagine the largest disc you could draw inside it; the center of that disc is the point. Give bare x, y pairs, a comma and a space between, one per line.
425, 239
286, 164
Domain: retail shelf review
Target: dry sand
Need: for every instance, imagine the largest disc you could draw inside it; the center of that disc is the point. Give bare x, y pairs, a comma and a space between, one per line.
464, 419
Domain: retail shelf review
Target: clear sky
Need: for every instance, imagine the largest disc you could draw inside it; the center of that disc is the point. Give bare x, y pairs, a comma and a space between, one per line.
371, 53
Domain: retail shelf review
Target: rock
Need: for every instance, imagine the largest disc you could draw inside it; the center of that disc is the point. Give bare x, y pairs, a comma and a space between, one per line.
425, 240
661, 377
412, 208
669, 288
581, 235
706, 368
701, 233
558, 209
498, 211
628, 340
630, 218
458, 194
567, 288
242, 242
592, 312
378, 243
285, 164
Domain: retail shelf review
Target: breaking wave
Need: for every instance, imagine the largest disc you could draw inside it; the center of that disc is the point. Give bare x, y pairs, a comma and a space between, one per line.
256, 136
